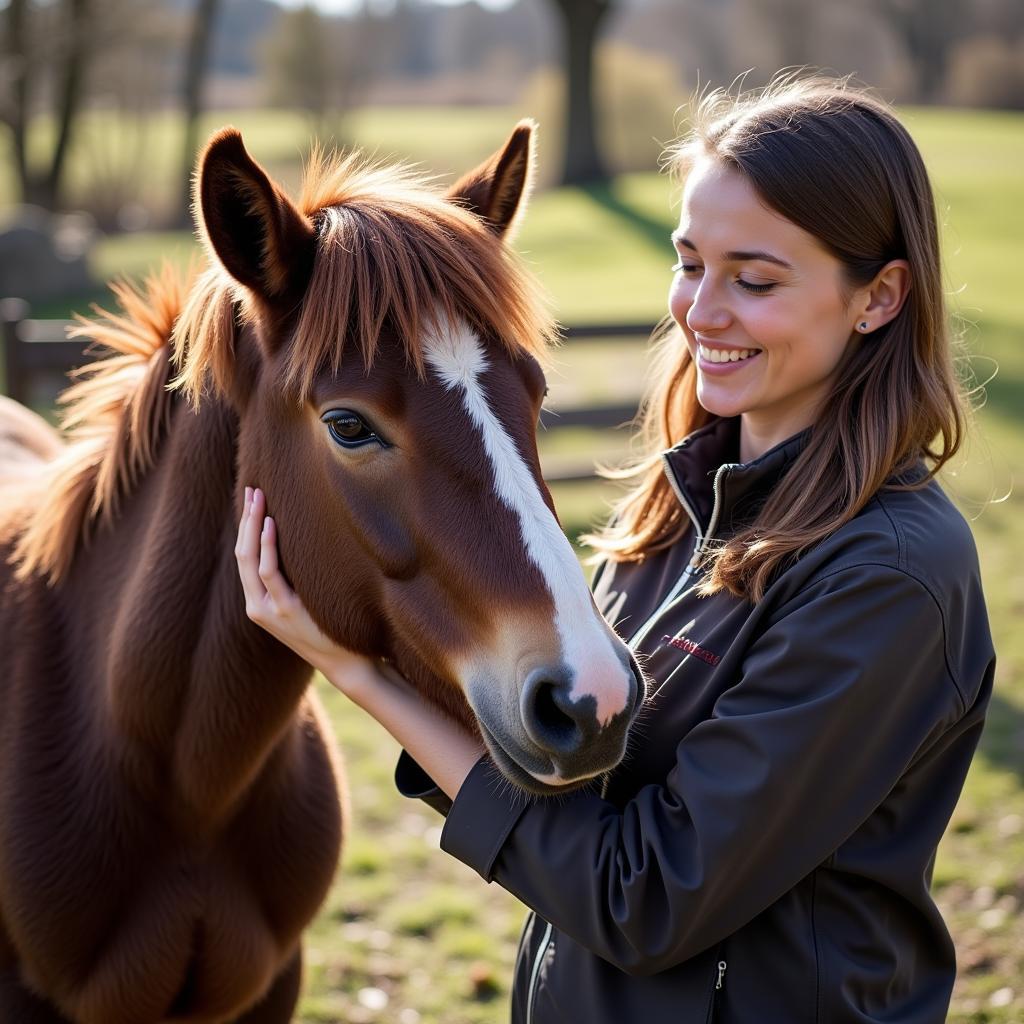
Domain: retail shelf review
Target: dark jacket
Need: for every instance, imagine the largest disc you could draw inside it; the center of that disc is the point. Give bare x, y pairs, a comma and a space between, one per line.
764, 852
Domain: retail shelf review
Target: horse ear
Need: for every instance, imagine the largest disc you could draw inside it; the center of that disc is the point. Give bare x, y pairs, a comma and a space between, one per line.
263, 241
498, 189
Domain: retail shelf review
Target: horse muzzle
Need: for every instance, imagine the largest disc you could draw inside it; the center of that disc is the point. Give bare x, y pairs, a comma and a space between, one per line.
564, 732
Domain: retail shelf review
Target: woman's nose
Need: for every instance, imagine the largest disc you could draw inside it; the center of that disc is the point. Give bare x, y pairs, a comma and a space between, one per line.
707, 312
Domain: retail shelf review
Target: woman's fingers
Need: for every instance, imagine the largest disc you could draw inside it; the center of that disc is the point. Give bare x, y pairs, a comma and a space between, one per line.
272, 604
272, 579
246, 502
247, 550
256, 553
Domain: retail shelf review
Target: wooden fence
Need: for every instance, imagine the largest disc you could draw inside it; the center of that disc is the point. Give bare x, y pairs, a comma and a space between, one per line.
37, 355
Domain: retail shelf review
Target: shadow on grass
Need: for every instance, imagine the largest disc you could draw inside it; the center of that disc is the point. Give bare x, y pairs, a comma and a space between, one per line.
995, 368
651, 229
1004, 396
66, 306
1002, 742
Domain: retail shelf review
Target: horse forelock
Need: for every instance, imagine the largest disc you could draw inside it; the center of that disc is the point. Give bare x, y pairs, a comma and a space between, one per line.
115, 416
394, 252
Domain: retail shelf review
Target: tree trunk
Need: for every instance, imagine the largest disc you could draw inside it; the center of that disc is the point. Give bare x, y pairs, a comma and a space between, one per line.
581, 21
80, 49
928, 30
192, 93
16, 116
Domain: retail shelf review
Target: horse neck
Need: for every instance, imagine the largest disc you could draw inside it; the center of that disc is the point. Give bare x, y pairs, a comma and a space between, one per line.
198, 697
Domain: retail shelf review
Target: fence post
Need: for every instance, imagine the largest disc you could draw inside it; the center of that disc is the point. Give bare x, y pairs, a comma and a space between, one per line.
12, 312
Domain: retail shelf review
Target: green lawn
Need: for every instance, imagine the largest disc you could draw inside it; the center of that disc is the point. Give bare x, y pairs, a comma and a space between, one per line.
132, 159
408, 934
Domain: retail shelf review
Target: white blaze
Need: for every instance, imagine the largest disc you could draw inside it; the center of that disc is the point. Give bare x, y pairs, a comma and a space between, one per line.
456, 355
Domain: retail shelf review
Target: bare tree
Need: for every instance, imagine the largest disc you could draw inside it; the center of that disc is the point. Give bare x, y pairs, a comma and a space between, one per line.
71, 39
136, 70
196, 64
313, 63
17, 70
928, 30
581, 23
787, 26
80, 52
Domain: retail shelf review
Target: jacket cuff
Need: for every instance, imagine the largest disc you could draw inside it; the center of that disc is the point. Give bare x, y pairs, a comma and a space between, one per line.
413, 782
484, 812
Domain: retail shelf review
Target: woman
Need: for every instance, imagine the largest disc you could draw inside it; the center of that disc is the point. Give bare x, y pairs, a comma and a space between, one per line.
805, 597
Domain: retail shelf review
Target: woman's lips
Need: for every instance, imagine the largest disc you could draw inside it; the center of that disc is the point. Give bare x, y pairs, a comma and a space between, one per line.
719, 369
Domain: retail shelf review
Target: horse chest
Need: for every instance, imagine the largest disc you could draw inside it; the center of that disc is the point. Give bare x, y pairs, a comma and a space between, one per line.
104, 891
191, 937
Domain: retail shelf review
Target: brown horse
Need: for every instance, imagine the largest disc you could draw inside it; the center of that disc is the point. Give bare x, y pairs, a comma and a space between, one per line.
170, 816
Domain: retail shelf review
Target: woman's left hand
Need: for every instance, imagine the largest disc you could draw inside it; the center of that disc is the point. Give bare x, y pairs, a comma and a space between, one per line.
272, 604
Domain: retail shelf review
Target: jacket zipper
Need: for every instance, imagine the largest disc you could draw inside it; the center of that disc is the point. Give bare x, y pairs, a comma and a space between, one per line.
699, 548
535, 974
720, 968
703, 543
716, 511
521, 945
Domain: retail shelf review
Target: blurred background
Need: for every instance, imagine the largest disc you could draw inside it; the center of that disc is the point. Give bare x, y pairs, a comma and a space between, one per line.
103, 106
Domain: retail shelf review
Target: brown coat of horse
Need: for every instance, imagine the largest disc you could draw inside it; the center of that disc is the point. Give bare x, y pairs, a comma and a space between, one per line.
170, 817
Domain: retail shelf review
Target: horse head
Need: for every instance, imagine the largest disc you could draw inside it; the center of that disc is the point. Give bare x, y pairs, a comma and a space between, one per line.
382, 350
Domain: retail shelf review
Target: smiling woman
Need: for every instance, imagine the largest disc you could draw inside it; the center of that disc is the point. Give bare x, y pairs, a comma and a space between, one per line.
800, 590
767, 326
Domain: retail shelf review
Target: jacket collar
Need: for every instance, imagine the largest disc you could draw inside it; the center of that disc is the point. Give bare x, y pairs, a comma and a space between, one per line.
704, 468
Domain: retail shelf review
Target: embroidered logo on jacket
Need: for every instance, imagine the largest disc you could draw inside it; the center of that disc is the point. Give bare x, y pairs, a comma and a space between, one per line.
691, 648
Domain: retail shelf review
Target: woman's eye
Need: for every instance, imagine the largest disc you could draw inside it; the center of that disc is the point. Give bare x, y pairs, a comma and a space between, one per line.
686, 268
349, 429
751, 286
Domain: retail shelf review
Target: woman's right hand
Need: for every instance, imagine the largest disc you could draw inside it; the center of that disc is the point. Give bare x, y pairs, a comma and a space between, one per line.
441, 746
272, 604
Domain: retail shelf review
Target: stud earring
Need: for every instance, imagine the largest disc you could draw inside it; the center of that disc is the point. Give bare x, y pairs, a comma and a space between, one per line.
862, 326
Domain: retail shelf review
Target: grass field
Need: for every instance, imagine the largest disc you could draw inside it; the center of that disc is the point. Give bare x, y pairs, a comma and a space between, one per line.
408, 935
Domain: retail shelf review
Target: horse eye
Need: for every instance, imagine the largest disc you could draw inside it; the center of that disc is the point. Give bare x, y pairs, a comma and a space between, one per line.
349, 429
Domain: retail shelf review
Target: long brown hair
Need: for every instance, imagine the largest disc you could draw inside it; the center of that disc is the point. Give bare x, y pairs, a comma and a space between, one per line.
836, 162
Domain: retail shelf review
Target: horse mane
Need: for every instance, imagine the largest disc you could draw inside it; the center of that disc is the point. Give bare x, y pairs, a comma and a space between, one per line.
116, 414
391, 250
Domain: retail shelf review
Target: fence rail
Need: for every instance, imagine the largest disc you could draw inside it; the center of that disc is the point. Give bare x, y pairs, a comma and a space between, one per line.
38, 352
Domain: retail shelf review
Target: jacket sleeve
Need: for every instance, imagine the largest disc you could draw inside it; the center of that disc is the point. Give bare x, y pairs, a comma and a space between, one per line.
413, 782
844, 686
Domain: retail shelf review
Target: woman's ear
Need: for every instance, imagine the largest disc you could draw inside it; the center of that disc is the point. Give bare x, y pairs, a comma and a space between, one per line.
497, 190
884, 297
250, 225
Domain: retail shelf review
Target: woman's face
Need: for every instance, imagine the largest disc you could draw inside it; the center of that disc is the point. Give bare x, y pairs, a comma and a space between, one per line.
760, 306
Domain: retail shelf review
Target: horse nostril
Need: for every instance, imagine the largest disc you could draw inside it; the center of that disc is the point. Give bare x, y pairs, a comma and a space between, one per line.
550, 716
553, 721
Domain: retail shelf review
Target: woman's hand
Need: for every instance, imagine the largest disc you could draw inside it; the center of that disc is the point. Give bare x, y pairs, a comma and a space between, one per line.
272, 604
442, 747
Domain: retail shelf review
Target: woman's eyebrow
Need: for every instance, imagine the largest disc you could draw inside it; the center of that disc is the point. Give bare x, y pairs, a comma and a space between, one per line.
736, 255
